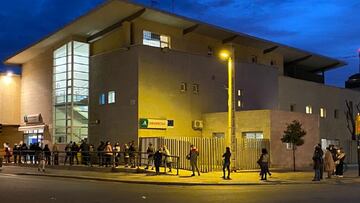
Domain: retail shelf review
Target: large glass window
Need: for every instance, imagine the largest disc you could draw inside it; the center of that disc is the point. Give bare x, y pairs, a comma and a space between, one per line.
71, 92
111, 97
155, 40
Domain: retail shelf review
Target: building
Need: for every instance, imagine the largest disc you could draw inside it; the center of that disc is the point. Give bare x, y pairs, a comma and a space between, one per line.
124, 71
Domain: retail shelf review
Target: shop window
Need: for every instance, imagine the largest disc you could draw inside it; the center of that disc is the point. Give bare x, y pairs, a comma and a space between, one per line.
195, 88
308, 109
183, 87
322, 113
156, 40
102, 99
111, 97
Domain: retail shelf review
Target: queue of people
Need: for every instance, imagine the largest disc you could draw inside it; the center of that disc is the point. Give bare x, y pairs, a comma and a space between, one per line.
332, 162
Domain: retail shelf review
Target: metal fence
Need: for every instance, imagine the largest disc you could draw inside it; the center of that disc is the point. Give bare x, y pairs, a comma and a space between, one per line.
87, 158
211, 150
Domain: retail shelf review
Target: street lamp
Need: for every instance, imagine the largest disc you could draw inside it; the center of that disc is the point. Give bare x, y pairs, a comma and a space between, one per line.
228, 56
7, 78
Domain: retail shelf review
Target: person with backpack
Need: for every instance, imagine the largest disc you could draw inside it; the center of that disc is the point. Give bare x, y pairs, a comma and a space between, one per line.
193, 156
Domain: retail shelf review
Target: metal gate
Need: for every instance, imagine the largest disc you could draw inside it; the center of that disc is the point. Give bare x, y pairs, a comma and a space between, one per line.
211, 151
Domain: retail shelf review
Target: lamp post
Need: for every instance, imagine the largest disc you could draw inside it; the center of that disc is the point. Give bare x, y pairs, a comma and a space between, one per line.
231, 138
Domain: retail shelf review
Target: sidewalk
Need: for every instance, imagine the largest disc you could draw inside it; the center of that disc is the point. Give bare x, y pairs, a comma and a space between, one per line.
214, 178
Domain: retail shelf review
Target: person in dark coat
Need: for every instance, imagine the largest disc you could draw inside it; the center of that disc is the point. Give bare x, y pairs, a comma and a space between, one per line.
100, 149
85, 155
74, 152
340, 158
68, 153
158, 160
264, 164
150, 152
47, 154
132, 154
24, 152
226, 164
317, 160
193, 156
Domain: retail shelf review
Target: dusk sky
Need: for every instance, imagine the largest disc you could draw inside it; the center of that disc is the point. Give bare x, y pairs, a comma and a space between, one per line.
327, 27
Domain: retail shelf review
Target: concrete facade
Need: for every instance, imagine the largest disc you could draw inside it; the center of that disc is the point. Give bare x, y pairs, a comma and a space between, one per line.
271, 123
10, 87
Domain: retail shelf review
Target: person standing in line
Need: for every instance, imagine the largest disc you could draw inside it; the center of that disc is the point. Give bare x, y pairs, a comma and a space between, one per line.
68, 153
55, 152
168, 159
340, 158
100, 149
40, 155
193, 156
117, 150
24, 152
126, 155
157, 160
226, 163
329, 164
75, 150
322, 161
7, 153
108, 154
16, 153
317, 162
150, 152
2, 155
132, 153
47, 154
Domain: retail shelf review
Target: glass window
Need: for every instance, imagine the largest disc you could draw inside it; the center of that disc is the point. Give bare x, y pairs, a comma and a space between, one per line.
240, 103
155, 40
253, 135
195, 88
102, 99
183, 87
308, 109
111, 97
240, 92
322, 113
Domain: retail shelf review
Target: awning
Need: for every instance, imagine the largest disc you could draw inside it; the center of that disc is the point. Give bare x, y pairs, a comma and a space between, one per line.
32, 127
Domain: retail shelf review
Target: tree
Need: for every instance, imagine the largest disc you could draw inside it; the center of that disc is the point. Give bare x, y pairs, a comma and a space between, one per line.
294, 135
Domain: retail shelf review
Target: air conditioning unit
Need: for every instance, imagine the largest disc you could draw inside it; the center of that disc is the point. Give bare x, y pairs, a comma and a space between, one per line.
197, 124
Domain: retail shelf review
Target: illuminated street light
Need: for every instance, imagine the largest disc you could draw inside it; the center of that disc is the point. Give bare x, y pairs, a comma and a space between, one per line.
8, 78
227, 56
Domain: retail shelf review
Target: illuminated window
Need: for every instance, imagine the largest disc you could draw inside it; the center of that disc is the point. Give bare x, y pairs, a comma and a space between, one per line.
183, 87
102, 99
322, 113
195, 88
240, 103
253, 135
308, 109
289, 146
240, 92
155, 40
111, 97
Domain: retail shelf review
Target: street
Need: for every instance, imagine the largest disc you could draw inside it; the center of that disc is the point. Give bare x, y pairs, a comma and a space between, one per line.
18, 188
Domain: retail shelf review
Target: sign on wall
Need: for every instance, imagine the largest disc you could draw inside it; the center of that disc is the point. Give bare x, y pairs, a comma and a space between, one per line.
149, 123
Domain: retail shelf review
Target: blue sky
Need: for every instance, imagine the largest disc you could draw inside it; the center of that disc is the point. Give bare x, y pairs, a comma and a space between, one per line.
328, 27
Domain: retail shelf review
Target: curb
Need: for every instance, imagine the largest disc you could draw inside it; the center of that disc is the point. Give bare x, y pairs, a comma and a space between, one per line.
171, 183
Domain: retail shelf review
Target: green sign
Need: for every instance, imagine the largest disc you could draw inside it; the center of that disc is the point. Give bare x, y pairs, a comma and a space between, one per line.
149, 123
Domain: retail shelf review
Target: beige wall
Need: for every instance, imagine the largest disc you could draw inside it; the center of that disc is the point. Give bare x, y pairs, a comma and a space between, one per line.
282, 157
160, 77
11, 135
191, 43
10, 88
272, 124
302, 93
116, 71
36, 88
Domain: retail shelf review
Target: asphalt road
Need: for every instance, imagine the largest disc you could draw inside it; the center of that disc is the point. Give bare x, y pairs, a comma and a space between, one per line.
16, 188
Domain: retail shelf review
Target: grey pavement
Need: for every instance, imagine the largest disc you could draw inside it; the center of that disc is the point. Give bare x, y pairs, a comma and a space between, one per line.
139, 176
